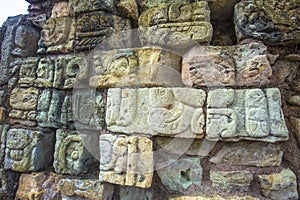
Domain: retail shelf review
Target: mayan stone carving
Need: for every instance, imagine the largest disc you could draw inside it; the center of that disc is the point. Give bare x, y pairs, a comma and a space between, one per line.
126, 160
79, 6
27, 73
176, 25
242, 65
136, 67
270, 21
27, 150
71, 156
23, 102
85, 189
252, 114
175, 112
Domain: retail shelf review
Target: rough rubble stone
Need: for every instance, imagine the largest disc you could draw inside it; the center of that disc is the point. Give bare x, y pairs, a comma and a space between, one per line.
126, 160
294, 100
8, 184
156, 111
182, 175
216, 197
249, 114
28, 150
271, 21
249, 154
136, 67
176, 25
74, 189
133, 193
279, 186
231, 181
38, 186
296, 124
241, 65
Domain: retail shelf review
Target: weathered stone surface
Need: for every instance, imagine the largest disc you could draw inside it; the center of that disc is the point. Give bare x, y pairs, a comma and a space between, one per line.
73, 189
83, 6
28, 150
136, 67
71, 156
223, 33
24, 102
241, 65
97, 27
3, 96
20, 40
279, 186
8, 184
222, 9
38, 186
27, 73
216, 197
133, 193
249, 154
156, 111
294, 100
183, 175
270, 21
3, 133
2, 114
232, 180
60, 9
252, 114
57, 36
296, 125
176, 25
126, 160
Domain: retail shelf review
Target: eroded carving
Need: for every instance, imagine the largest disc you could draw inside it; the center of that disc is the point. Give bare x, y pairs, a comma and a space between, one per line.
245, 114
79, 6
28, 72
71, 156
156, 111
126, 160
27, 150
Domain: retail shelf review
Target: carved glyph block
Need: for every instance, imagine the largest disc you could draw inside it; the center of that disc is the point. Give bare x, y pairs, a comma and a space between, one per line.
27, 150
71, 156
242, 65
73, 189
28, 72
156, 111
126, 160
270, 21
23, 102
177, 25
252, 114
136, 67
83, 6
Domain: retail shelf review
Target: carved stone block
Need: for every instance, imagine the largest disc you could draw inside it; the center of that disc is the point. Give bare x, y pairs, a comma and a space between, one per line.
27, 74
60, 9
28, 150
177, 25
126, 160
71, 156
156, 111
20, 40
257, 154
232, 180
57, 36
182, 175
73, 189
252, 114
38, 186
45, 73
8, 184
84, 6
282, 185
242, 65
271, 21
136, 67
97, 27
23, 102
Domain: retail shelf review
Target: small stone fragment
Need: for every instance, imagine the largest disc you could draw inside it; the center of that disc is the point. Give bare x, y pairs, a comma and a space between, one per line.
182, 175
71, 156
232, 180
294, 100
73, 189
126, 160
296, 124
279, 186
249, 154
39, 186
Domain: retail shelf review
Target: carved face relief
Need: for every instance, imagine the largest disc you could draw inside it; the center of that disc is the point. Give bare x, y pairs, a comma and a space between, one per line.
24, 99
17, 143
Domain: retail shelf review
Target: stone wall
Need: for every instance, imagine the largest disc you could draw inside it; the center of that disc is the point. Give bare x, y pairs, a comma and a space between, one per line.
131, 100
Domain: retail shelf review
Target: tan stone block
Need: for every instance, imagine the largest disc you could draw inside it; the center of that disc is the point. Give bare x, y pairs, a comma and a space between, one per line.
176, 25
241, 65
136, 67
2, 113
24, 98
38, 186
175, 112
126, 160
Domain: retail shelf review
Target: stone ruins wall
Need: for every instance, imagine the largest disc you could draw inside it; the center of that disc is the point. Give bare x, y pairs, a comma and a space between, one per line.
151, 99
